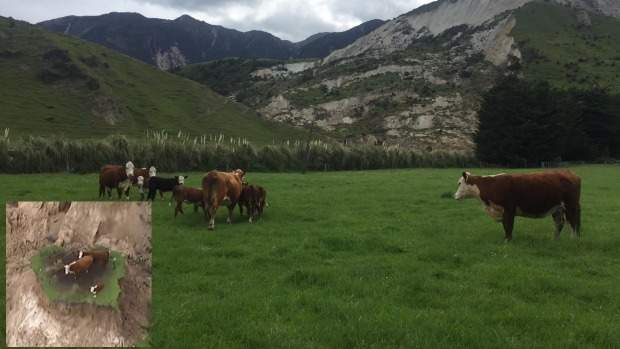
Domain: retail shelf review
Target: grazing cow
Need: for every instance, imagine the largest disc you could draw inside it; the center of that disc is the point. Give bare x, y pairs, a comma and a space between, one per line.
116, 176
181, 194
76, 267
163, 185
219, 187
100, 257
94, 289
534, 195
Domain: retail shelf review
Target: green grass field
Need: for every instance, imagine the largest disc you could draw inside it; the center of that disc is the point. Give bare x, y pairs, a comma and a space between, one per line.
376, 259
108, 296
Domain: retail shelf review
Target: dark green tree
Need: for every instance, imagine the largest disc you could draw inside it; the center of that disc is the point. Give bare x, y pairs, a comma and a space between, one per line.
521, 123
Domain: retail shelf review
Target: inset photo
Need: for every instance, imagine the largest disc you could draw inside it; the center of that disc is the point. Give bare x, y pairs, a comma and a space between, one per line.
78, 274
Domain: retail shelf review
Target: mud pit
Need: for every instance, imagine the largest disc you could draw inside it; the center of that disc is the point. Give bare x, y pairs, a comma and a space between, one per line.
49, 264
31, 318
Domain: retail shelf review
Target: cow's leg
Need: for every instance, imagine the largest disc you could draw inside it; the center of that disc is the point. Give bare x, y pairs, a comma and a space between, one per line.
178, 209
120, 192
231, 209
211, 211
559, 219
508, 221
573, 215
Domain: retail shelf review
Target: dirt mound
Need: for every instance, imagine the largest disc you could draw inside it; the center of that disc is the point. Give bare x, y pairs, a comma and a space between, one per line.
31, 319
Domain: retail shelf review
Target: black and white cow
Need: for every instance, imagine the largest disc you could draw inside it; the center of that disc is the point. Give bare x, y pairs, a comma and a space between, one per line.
163, 185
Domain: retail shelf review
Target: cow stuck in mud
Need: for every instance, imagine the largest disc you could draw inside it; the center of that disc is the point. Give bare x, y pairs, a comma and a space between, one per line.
534, 195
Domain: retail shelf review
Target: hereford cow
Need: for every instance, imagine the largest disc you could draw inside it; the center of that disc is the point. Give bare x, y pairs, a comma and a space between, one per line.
116, 176
100, 257
141, 178
534, 195
221, 188
181, 194
163, 185
76, 267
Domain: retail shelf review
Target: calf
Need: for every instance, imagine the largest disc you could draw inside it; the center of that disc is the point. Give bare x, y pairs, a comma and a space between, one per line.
163, 185
116, 177
260, 199
253, 199
219, 187
181, 194
534, 195
246, 199
99, 257
76, 267
94, 289
141, 178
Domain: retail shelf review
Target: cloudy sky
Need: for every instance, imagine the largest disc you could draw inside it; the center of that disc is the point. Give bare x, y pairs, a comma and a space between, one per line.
288, 19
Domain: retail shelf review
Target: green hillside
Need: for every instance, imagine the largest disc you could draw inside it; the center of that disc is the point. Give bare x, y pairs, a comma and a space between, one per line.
55, 84
559, 48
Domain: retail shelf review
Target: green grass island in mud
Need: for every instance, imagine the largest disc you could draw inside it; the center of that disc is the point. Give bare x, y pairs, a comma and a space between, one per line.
49, 264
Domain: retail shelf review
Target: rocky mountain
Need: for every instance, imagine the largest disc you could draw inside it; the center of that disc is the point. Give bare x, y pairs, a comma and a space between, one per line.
417, 79
59, 85
174, 43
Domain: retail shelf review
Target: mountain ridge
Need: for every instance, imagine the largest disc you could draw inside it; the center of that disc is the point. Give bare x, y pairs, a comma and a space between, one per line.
170, 44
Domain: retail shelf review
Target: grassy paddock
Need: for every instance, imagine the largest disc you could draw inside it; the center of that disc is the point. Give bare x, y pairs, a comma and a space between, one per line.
375, 259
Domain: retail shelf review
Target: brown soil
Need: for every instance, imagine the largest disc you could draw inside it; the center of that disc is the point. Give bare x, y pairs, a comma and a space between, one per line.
31, 320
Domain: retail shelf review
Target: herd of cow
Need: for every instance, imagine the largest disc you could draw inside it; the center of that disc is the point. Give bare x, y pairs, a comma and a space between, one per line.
504, 196
218, 188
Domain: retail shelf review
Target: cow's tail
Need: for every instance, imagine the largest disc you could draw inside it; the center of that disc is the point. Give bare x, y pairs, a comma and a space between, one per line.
211, 184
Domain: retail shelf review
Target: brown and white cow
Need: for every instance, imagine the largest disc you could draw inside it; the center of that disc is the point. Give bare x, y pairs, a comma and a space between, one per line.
534, 195
79, 266
181, 194
100, 257
94, 289
116, 176
141, 178
221, 188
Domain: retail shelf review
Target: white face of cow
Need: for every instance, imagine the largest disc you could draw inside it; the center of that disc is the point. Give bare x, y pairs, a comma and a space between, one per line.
129, 167
181, 180
140, 181
152, 171
67, 266
465, 190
